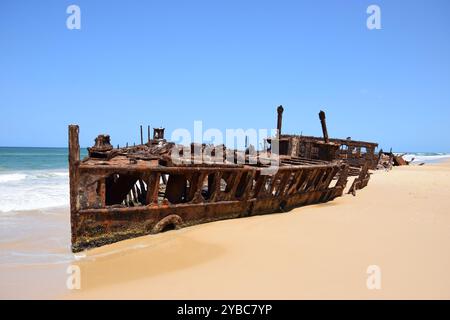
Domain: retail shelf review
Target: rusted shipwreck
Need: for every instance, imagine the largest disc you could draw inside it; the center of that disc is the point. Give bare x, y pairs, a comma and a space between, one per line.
120, 193
387, 160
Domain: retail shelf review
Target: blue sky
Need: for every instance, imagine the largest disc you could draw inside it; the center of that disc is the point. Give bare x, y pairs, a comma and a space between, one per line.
228, 63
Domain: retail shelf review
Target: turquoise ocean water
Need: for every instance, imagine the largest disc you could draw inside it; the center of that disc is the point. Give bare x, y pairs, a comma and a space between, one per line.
22, 159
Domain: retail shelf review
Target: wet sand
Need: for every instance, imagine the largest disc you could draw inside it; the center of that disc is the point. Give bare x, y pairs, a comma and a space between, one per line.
400, 222
34, 254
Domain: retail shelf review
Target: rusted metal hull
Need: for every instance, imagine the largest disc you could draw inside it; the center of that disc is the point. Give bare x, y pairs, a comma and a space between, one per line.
361, 181
387, 160
97, 227
117, 195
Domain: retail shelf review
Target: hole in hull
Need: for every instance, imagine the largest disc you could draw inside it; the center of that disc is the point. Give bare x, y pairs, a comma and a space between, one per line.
168, 227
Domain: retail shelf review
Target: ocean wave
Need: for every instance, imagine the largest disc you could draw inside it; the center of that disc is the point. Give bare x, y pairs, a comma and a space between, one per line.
12, 177
424, 157
31, 190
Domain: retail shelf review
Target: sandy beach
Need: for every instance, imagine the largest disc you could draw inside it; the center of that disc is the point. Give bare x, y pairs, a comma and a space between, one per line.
400, 223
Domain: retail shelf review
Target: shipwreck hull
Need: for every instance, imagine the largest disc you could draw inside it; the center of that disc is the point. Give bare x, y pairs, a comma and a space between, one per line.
97, 227
122, 196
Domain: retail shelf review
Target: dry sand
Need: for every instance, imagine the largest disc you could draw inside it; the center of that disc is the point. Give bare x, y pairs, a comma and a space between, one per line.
400, 222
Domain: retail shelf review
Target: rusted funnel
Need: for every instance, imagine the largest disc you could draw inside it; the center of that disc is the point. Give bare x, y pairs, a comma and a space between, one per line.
324, 126
280, 110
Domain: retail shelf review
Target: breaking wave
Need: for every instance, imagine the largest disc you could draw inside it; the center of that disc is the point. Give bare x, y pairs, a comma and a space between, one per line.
426, 157
12, 177
35, 189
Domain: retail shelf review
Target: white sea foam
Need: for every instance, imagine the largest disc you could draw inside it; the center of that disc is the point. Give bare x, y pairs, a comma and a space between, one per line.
12, 177
425, 158
34, 189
